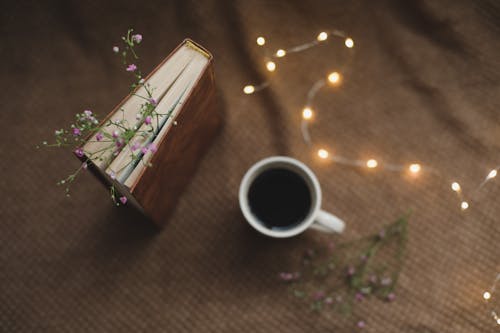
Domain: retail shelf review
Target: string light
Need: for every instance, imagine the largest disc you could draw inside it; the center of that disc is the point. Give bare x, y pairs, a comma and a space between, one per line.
371, 163
307, 113
249, 89
271, 66
280, 53
488, 295
323, 153
415, 168
349, 43
322, 36
334, 78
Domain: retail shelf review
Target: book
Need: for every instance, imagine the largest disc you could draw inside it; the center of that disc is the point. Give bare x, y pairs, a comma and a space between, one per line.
188, 120
169, 105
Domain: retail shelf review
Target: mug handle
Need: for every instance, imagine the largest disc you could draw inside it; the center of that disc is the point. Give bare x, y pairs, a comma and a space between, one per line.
327, 222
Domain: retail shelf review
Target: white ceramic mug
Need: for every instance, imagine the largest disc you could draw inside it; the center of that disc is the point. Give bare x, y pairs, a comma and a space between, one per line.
315, 219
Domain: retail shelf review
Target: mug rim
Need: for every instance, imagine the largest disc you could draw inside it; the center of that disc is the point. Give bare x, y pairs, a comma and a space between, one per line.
263, 165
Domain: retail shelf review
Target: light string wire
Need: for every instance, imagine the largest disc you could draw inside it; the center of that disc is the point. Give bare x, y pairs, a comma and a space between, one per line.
488, 295
308, 112
413, 168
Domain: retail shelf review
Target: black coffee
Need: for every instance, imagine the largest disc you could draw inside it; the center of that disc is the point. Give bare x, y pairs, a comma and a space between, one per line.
279, 198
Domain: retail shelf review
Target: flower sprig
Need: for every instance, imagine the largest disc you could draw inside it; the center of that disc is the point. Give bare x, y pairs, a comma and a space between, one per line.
114, 134
339, 277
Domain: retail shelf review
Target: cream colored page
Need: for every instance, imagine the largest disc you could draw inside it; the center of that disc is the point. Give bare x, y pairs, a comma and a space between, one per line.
198, 67
163, 78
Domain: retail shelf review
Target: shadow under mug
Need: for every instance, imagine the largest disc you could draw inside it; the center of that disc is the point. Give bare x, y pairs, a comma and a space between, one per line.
315, 219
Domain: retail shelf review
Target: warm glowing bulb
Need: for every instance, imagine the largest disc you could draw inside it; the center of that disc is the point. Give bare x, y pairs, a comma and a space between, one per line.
322, 36
464, 205
261, 41
492, 174
280, 53
486, 295
371, 163
307, 113
415, 168
334, 78
498, 321
349, 43
323, 153
249, 90
455, 186
271, 66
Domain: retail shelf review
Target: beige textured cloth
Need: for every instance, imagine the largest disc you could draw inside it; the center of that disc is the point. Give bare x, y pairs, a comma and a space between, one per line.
422, 86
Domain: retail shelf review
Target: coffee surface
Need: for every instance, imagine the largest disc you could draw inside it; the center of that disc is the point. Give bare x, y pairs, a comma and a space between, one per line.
279, 198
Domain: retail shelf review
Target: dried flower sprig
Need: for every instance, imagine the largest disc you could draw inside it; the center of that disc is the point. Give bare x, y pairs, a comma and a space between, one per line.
339, 277
116, 134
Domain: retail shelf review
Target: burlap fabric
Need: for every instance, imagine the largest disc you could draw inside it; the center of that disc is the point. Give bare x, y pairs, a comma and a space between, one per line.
422, 85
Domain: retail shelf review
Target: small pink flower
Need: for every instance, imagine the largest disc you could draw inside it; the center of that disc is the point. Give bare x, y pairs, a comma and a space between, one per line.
153, 101
123, 200
373, 278
88, 113
289, 276
79, 152
351, 270
147, 121
361, 324
381, 234
116, 49
84, 165
137, 38
115, 134
386, 281
131, 68
152, 148
134, 146
319, 295
285, 276
76, 131
359, 297
144, 150
112, 175
391, 297
119, 143
99, 136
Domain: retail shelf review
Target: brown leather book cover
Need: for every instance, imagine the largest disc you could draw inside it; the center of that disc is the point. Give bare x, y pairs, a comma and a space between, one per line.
159, 187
